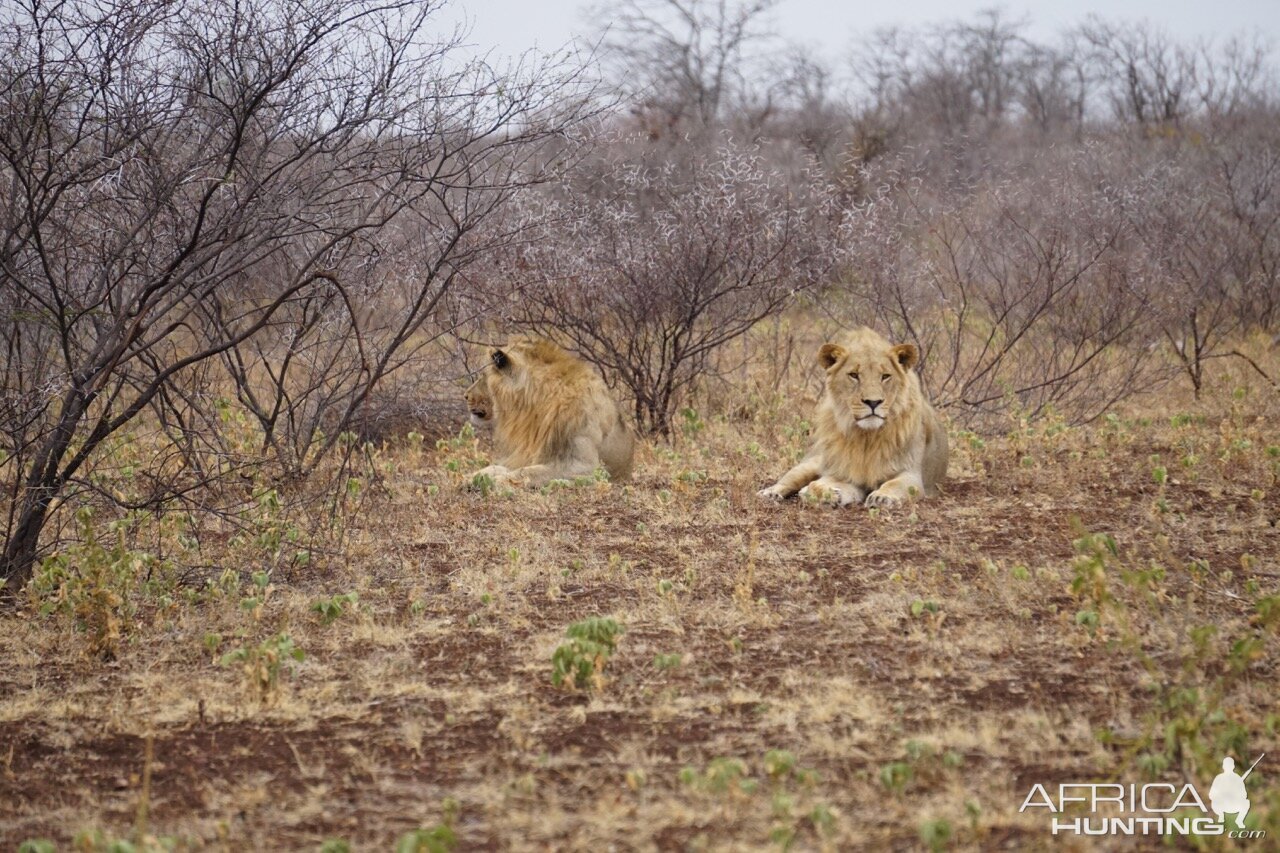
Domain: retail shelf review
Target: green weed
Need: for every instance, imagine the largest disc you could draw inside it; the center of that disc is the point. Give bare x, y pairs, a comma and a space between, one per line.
582, 659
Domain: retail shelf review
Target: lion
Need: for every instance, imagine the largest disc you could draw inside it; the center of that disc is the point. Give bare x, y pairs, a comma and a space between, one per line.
552, 416
877, 439
479, 406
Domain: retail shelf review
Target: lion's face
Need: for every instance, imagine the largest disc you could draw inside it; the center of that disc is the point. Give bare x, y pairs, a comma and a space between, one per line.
867, 380
479, 404
509, 372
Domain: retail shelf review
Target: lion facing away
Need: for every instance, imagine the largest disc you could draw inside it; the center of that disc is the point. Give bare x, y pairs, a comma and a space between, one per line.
552, 416
877, 439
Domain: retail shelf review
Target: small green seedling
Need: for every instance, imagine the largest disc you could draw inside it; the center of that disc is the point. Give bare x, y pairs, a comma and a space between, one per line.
437, 839
329, 609
582, 659
262, 664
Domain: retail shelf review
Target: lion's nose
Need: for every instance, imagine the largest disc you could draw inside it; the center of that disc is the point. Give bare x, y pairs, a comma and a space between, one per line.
871, 404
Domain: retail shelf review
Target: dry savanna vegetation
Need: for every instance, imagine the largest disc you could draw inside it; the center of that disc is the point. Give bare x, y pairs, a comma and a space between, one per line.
778, 675
255, 596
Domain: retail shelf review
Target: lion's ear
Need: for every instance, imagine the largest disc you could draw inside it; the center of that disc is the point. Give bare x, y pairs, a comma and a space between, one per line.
906, 354
829, 355
500, 359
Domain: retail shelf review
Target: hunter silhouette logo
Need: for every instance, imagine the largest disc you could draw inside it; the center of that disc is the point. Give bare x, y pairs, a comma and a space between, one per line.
1227, 794
1153, 808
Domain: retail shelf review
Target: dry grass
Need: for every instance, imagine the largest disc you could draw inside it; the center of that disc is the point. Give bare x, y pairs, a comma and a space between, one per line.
926, 665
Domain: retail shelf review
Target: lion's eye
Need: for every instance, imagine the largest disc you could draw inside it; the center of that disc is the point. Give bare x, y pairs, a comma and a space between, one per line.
885, 377
853, 374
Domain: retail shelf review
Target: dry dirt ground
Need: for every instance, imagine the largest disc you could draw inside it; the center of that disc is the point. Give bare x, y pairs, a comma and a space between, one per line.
831, 679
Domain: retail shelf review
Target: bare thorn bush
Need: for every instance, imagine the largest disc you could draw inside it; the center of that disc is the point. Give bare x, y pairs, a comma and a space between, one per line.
648, 268
284, 190
1019, 292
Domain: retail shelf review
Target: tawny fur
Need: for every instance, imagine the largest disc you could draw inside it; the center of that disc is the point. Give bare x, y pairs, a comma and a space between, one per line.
479, 406
882, 455
552, 416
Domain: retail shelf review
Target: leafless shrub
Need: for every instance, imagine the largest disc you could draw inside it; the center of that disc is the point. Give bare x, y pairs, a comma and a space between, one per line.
1017, 292
1205, 222
421, 396
1054, 88
649, 268
952, 79
1245, 167
684, 64
978, 84
1151, 79
189, 184
808, 109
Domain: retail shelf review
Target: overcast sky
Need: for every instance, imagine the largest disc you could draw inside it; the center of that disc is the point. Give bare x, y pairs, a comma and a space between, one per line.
512, 26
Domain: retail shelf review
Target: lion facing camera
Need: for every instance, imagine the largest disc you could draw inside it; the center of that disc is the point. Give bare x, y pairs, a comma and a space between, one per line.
551, 414
877, 439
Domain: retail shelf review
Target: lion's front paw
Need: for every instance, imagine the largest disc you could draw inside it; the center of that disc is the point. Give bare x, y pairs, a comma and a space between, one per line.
820, 493
773, 493
880, 499
826, 490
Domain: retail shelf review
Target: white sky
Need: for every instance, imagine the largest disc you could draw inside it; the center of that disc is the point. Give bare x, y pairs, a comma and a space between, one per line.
509, 27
